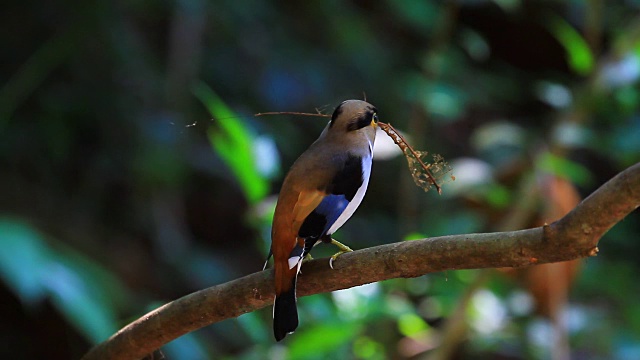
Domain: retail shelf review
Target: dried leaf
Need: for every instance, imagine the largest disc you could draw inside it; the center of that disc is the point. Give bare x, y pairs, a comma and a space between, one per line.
425, 174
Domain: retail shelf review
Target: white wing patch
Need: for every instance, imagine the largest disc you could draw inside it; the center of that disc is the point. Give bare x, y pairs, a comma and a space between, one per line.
357, 199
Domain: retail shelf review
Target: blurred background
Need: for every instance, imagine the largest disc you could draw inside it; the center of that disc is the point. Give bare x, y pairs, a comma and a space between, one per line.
133, 172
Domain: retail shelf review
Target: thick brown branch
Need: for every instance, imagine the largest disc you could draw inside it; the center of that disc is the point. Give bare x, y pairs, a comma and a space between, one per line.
574, 236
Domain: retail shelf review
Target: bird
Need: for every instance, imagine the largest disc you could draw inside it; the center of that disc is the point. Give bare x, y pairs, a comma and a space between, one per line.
321, 191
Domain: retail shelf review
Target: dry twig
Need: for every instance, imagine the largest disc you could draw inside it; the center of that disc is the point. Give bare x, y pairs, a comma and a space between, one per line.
421, 172
318, 114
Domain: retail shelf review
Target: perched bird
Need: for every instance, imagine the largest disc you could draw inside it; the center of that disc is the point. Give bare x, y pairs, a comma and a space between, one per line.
320, 193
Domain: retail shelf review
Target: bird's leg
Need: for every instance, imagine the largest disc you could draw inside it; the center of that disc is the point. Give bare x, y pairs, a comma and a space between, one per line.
309, 243
343, 249
307, 257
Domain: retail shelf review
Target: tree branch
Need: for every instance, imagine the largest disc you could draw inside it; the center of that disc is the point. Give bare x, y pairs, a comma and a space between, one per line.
574, 236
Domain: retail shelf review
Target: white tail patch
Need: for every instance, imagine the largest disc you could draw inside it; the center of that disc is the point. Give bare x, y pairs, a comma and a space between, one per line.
295, 261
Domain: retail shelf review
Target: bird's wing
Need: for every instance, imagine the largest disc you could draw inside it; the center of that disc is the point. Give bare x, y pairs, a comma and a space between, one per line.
318, 222
340, 193
307, 202
293, 207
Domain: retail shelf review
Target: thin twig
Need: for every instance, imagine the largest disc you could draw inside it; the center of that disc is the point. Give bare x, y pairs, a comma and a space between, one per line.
293, 113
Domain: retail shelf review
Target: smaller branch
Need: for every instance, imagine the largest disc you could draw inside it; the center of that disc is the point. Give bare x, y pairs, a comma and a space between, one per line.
404, 146
293, 113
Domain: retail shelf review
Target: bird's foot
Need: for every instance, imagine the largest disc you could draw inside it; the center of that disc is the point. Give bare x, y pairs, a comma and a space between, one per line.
343, 249
307, 257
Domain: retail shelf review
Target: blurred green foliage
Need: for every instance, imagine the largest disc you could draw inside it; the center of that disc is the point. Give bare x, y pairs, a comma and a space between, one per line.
86, 294
578, 52
234, 145
132, 171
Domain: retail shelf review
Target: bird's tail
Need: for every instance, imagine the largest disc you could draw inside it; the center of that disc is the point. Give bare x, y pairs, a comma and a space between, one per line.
285, 312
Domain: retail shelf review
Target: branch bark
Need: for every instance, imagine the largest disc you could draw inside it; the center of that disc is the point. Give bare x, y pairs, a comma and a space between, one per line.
574, 236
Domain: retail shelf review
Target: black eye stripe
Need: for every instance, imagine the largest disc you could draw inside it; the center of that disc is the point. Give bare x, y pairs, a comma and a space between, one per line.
362, 121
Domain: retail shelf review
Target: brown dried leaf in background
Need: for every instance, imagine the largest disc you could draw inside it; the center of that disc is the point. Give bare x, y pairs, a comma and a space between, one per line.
549, 284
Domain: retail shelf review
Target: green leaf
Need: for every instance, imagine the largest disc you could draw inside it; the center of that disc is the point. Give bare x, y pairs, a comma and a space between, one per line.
233, 141
423, 15
73, 297
414, 236
82, 291
498, 196
86, 293
254, 326
412, 325
565, 168
579, 54
321, 339
187, 347
24, 260
444, 101
366, 348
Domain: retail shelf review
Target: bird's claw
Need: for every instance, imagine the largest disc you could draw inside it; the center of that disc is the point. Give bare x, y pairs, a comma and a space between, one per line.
343, 249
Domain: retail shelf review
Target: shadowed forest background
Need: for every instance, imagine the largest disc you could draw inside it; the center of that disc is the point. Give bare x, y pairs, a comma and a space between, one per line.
133, 172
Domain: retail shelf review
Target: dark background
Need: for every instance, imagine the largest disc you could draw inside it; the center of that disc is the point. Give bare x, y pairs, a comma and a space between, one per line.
133, 172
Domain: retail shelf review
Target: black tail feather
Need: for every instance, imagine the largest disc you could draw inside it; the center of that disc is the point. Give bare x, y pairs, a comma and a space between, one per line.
285, 313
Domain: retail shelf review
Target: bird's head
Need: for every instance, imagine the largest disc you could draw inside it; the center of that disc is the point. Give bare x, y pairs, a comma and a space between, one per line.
353, 120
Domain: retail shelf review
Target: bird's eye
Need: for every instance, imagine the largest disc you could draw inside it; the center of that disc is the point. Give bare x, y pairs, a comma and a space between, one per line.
375, 117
